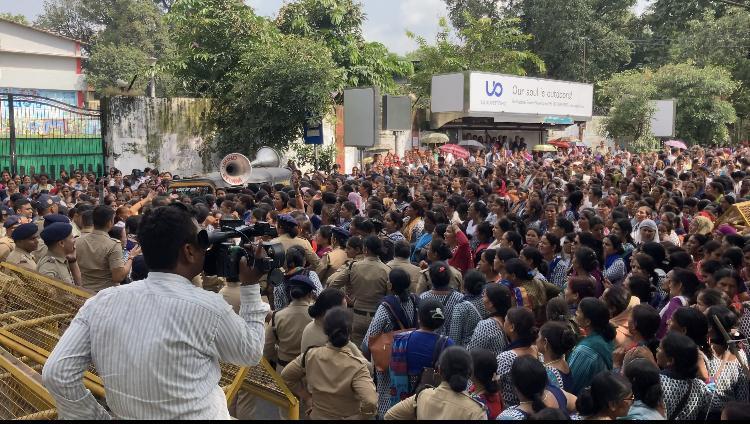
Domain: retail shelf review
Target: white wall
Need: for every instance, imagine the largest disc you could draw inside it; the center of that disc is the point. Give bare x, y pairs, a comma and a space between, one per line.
15, 37
40, 72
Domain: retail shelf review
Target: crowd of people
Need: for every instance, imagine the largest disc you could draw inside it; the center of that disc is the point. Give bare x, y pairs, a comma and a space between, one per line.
586, 285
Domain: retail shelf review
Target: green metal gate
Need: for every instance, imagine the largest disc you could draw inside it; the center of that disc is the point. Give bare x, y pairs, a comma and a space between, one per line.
42, 135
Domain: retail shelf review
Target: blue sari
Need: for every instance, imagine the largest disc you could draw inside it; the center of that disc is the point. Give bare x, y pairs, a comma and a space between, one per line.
412, 351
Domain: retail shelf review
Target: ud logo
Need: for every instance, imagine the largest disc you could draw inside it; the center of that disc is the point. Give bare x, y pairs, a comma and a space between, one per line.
496, 90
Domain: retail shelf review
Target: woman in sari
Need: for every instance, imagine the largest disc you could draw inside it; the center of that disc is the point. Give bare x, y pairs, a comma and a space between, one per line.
415, 225
593, 354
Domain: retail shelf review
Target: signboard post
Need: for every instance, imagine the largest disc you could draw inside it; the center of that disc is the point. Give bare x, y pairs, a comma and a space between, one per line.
313, 134
361, 123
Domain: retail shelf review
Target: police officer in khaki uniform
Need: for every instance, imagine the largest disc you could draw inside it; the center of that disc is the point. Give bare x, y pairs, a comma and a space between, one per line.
438, 251
335, 259
46, 205
100, 257
425, 283
354, 253
367, 281
26, 242
60, 245
401, 261
338, 382
231, 293
48, 220
6, 242
284, 333
447, 401
288, 231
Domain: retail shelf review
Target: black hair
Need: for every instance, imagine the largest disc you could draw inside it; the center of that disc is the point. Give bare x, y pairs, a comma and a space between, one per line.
455, 367
605, 387
557, 309
732, 257
735, 410
440, 274
103, 217
499, 297
363, 224
689, 283
712, 297
337, 324
596, 311
617, 299
295, 257
726, 317
484, 229
400, 283
645, 381
582, 286
684, 354
536, 258
554, 240
298, 290
530, 379
616, 244
523, 321
428, 314
506, 253
550, 414
519, 269
163, 231
402, 249
587, 258
441, 249
489, 255
515, 239
641, 288
560, 337
290, 229
626, 228
565, 224
680, 259
485, 367
735, 240
355, 242
646, 321
695, 324
326, 231
327, 299
474, 282
339, 238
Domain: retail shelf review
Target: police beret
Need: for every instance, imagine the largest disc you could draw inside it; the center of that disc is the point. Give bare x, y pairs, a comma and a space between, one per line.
56, 232
11, 221
46, 201
24, 231
55, 218
6, 210
341, 232
302, 281
287, 219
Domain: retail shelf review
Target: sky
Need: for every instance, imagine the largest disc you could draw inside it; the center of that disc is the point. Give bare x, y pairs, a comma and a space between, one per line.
387, 20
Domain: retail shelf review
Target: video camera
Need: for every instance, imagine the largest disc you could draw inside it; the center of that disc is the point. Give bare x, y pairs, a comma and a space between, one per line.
223, 256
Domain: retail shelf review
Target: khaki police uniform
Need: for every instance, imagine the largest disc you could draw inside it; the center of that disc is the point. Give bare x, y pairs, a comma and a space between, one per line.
76, 230
97, 254
232, 294
310, 256
412, 270
55, 267
425, 283
22, 258
41, 250
6, 246
367, 281
284, 332
338, 380
330, 263
439, 403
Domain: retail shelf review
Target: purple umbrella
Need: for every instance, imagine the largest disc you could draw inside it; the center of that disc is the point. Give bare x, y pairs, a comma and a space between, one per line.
676, 144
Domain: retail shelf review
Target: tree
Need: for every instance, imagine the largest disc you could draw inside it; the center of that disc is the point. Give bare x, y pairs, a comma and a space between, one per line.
703, 106
482, 45
19, 19
338, 25
725, 42
579, 40
703, 111
264, 83
628, 94
68, 18
493, 9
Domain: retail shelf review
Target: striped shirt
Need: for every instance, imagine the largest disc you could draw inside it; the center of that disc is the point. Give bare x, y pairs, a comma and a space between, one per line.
156, 344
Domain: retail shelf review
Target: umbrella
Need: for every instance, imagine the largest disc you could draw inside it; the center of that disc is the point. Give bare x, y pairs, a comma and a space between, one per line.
560, 143
471, 144
544, 148
456, 150
435, 138
676, 143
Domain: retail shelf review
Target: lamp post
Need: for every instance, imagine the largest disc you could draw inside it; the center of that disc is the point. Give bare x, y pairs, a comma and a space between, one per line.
152, 81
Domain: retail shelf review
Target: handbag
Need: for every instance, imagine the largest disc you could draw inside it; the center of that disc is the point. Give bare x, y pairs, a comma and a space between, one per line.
381, 345
430, 375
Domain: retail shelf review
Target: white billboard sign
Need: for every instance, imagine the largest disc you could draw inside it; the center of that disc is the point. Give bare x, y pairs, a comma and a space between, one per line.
662, 122
496, 93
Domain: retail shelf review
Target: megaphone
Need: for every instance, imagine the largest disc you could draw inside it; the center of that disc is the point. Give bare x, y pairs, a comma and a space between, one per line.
235, 168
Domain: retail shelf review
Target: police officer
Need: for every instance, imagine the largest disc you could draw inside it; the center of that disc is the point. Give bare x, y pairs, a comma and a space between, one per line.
401, 261
26, 241
6, 242
338, 382
48, 220
60, 247
288, 230
46, 205
438, 251
284, 334
367, 281
447, 401
333, 260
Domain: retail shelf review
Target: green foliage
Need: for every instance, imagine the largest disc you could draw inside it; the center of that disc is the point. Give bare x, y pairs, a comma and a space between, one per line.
458, 10
703, 111
110, 62
263, 82
71, 18
483, 45
338, 25
19, 19
579, 40
305, 156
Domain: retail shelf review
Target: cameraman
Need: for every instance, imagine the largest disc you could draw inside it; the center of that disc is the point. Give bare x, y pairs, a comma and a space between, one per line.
157, 343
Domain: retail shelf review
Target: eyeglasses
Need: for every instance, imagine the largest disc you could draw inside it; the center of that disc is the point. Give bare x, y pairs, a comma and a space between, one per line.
630, 398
